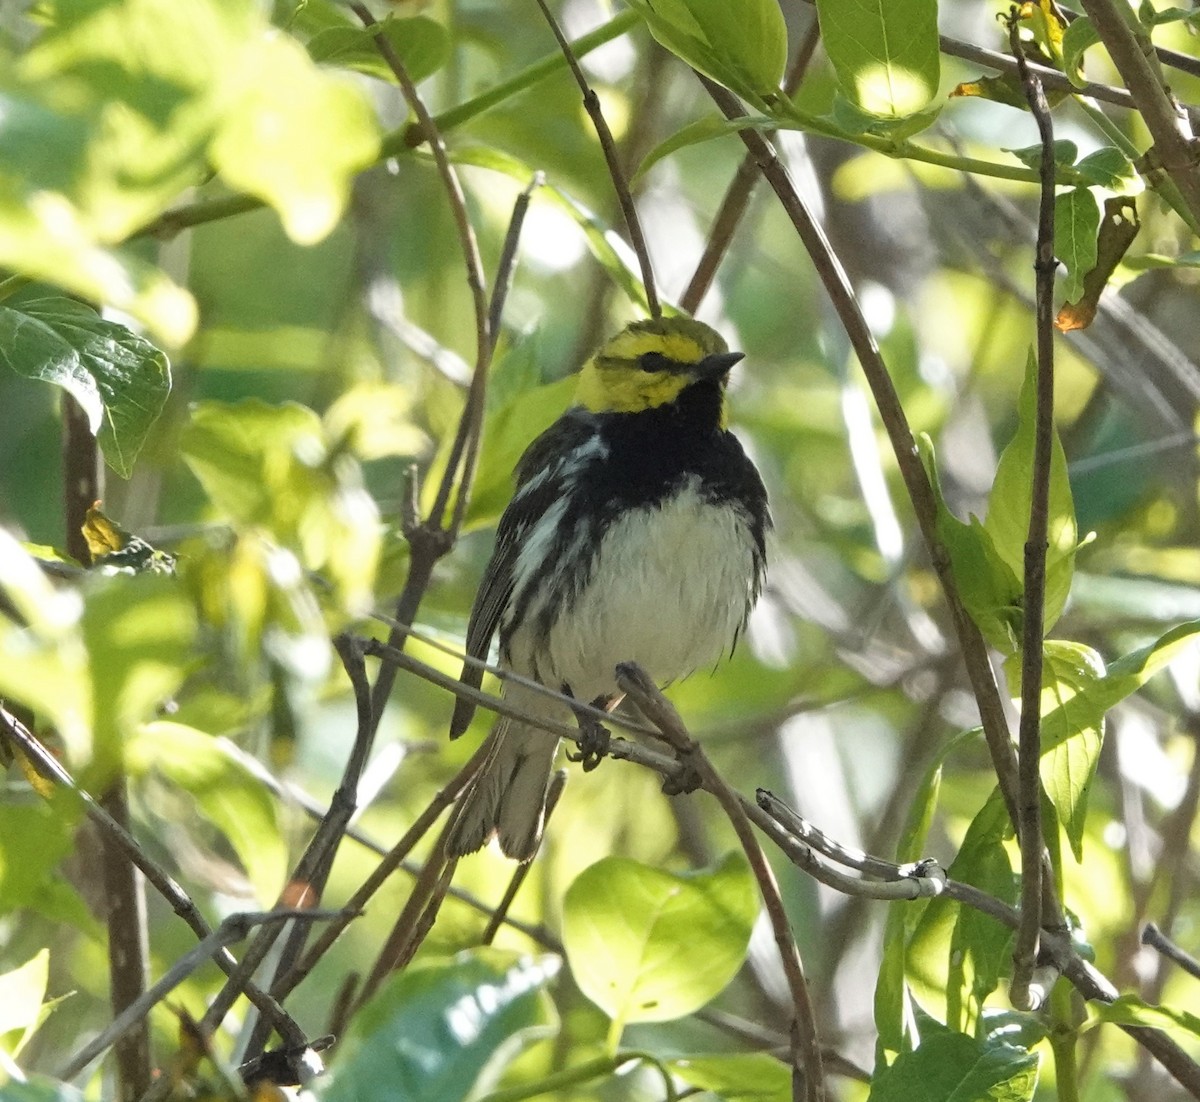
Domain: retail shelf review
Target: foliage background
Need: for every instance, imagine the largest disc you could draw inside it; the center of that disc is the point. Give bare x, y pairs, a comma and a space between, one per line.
848, 684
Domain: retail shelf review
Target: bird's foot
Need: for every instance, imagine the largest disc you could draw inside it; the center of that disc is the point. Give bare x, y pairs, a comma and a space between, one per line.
686, 778
594, 740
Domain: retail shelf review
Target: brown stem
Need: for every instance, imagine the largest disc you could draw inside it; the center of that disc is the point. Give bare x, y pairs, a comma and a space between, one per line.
591, 103
737, 195
1029, 803
1133, 55
891, 412
124, 896
306, 885
807, 1057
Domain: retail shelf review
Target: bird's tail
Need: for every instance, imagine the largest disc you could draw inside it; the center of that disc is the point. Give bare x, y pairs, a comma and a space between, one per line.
507, 798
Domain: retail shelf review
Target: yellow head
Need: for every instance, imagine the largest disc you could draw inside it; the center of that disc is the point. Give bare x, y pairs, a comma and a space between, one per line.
650, 363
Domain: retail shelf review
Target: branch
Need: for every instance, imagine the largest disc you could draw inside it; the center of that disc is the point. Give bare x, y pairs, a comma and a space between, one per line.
895, 422
233, 929
591, 103
49, 768
1156, 939
737, 195
306, 885
1133, 55
807, 1056
1029, 803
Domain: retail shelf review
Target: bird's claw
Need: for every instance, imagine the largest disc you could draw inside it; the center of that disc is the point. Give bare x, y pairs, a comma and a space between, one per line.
594, 739
685, 779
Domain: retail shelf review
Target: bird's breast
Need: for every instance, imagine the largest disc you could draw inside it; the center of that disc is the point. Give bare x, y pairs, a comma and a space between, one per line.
667, 585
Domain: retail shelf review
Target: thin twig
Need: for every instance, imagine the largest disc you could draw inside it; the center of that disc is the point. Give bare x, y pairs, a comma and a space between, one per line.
591, 103
741, 187
233, 929
1029, 802
1134, 57
1156, 939
807, 1061
306, 886
398, 853
895, 422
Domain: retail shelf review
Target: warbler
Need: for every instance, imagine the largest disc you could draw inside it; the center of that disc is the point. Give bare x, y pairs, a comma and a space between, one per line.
636, 533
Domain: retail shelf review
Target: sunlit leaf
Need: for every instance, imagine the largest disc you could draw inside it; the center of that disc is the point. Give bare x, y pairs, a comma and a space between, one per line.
987, 585
1076, 223
274, 467
1079, 36
1069, 764
951, 1067
979, 944
421, 44
138, 629
737, 1076
226, 794
1130, 1010
742, 46
1009, 502
441, 1030
885, 55
119, 379
22, 992
647, 945
298, 137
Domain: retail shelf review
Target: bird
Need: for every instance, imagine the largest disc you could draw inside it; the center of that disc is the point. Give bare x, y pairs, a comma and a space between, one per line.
636, 532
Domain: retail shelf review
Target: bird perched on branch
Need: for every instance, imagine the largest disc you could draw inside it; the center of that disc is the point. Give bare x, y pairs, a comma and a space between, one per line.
636, 533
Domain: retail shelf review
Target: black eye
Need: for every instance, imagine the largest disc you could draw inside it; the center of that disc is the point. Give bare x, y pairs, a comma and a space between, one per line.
654, 361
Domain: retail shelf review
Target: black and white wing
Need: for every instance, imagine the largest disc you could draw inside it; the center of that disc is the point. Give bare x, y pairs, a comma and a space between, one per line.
540, 483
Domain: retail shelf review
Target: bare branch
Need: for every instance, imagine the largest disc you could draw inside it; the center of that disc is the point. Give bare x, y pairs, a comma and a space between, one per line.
1029, 800
807, 1059
591, 103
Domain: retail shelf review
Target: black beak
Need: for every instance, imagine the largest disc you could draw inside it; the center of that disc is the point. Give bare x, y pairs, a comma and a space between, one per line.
717, 365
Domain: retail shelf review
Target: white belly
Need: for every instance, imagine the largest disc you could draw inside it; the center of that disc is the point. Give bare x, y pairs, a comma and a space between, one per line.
668, 590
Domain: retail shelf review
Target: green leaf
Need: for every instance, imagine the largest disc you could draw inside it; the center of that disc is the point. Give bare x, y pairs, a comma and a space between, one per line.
297, 139
421, 43
1072, 730
737, 1076
272, 466
903, 917
987, 585
43, 663
1065, 153
439, 1030
1068, 764
119, 379
978, 951
22, 992
952, 1067
1079, 36
647, 945
138, 629
1109, 168
705, 129
885, 54
1130, 1010
227, 794
1009, 502
33, 840
1076, 223
742, 46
